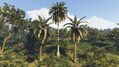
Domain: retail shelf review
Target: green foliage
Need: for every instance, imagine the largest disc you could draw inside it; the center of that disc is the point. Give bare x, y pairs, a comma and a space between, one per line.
97, 56
100, 48
53, 61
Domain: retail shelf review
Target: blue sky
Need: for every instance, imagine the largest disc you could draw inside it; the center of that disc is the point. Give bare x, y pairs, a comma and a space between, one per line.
104, 9
108, 9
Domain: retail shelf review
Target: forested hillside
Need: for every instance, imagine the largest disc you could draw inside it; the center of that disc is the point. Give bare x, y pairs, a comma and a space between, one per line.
33, 43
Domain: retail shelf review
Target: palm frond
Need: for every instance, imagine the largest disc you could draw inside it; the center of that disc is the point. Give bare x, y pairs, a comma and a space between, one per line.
40, 18
70, 19
84, 32
75, 20
67, 27
80, 33
48, 19
83, 22
82, 26
82, 18
80, 21
72, 24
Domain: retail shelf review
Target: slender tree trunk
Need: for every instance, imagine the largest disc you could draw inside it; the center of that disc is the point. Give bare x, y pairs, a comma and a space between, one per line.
41, 58
58, 52
42, 43
58, 49
4, 42
74, 57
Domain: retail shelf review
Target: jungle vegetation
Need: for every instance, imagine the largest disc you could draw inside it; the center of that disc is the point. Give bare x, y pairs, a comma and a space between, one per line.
33, 43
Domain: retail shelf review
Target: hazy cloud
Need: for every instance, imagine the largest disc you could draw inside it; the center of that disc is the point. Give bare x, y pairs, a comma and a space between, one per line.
100, 23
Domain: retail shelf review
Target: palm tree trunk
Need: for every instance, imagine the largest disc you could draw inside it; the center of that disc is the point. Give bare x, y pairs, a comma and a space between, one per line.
41, 58
58, 50
4, 42
74, 57
42, 43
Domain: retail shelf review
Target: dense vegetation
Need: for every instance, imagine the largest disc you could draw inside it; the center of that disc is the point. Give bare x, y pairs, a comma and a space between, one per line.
27, 43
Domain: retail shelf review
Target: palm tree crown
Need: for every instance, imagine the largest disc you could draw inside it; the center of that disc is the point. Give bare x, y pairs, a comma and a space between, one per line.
44, 29
78, 30
58, 11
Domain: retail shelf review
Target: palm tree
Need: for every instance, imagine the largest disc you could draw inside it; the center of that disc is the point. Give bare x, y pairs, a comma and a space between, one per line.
77, 32
58, 13
42, 32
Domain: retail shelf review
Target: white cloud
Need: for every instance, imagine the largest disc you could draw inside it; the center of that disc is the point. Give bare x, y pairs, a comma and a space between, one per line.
100, 23
34, 13
95, 22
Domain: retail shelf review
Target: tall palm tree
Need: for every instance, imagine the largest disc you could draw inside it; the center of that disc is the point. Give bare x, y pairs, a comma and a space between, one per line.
77, 32
42, 32
58, 13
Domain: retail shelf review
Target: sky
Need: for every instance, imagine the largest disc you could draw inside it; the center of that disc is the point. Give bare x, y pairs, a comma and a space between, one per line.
101, 14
